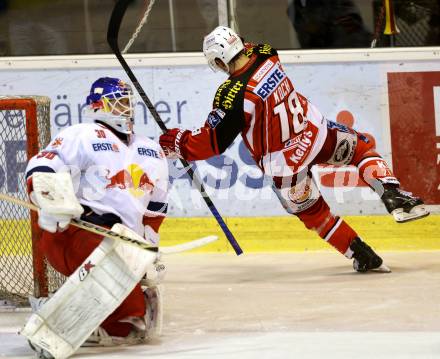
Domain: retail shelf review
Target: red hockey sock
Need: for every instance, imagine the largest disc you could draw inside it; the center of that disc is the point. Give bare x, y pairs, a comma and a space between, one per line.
332, 229
373, 168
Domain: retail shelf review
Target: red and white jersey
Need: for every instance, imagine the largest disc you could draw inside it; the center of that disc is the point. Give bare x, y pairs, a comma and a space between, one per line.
280, 127
109, 176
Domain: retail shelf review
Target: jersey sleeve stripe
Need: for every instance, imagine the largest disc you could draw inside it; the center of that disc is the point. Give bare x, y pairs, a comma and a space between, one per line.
39, 169
213, 141
249, 108
158, 207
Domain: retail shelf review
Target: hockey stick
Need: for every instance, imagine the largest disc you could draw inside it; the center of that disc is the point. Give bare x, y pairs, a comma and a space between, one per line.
188, 245
112, 39
91, 227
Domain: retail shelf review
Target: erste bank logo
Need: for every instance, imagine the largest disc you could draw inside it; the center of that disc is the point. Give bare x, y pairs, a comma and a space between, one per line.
270, 81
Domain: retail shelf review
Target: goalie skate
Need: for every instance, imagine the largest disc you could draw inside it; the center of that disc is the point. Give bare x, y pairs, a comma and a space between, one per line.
100, 338
144, 329
403, 205
37, 303
154, 315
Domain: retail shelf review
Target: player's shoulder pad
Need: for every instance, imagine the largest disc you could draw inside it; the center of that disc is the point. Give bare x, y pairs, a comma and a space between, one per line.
82, 129
229, 93
94, 131
70, 134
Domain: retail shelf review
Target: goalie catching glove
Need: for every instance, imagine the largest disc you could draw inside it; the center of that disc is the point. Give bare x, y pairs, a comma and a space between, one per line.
55, 198
171, 142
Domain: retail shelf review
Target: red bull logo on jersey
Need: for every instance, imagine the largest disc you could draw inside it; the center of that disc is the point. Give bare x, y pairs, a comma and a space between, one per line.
121, 179
133, 179
270, 82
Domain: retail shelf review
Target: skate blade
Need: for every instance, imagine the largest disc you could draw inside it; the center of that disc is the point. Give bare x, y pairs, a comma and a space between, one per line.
417, 212
382, 269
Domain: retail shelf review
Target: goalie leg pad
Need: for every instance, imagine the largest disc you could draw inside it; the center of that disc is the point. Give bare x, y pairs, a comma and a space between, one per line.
90, 295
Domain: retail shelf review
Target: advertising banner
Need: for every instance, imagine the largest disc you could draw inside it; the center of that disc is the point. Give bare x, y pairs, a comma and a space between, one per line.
392, 103
415, 131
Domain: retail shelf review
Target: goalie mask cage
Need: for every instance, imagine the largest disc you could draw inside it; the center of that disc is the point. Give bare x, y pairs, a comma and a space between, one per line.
24, 129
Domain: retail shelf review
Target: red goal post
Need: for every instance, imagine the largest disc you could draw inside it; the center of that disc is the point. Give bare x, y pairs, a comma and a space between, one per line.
24, 130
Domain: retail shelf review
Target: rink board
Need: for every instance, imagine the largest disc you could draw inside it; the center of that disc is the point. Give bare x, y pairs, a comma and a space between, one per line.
266, 234
15, 237
380, 92
288, 234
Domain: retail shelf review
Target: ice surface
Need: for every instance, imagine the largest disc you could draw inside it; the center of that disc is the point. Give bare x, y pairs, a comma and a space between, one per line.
297, 305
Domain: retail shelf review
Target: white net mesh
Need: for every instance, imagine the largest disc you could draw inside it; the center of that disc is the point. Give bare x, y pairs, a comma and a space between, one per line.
17, 280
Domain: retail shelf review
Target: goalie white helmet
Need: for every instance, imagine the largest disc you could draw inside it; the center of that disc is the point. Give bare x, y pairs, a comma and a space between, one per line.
112, 100
223, 44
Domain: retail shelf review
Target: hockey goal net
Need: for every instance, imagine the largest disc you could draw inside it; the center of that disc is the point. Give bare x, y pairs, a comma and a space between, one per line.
24, 129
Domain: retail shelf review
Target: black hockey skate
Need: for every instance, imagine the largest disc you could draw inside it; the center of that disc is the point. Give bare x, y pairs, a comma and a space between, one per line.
403, 205
365, 259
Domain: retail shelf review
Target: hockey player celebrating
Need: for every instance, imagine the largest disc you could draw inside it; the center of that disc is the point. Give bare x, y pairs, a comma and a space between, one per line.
122, 182
286, 135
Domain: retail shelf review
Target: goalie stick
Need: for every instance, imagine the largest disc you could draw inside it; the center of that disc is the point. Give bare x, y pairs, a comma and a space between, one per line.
112, 39
91, 227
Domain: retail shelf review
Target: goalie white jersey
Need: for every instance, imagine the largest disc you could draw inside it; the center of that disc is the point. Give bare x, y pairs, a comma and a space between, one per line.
109, 176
